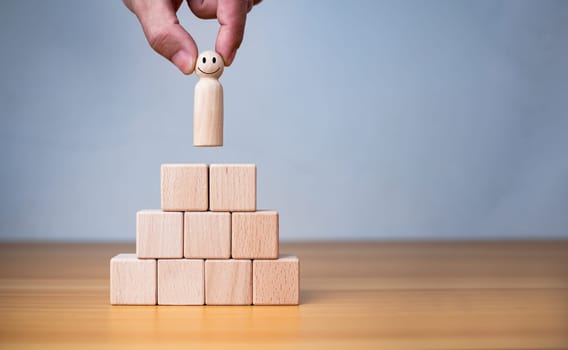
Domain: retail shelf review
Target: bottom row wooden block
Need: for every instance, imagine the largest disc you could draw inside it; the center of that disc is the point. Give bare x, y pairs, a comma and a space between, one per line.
228, 282
136, 281
276, 282
180, 282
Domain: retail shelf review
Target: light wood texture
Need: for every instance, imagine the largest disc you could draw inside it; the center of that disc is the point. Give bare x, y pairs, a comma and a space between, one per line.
228, 282
159, 234
208, 101
181, 282
276, 282
232, 187
184, 187
255, 235
207, 235
132, 280
438, 295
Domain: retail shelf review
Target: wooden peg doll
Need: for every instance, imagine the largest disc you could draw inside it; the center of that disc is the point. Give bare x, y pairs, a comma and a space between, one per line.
208, 103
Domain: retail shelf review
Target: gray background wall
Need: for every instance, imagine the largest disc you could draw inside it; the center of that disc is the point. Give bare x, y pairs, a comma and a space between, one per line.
367, 120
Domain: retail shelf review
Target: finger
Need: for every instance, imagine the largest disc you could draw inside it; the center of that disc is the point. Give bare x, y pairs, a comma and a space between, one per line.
205, 9
232, 18
250, 4
164, 33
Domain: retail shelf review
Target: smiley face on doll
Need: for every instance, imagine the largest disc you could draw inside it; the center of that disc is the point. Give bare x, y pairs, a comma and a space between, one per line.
209, 65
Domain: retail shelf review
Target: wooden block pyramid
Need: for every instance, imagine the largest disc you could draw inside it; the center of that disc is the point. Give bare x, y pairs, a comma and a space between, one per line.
208, 245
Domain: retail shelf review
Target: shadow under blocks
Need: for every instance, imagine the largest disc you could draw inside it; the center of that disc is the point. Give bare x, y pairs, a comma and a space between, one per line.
207, 245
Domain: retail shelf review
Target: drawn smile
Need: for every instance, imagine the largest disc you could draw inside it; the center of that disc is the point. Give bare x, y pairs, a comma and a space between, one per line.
208, 73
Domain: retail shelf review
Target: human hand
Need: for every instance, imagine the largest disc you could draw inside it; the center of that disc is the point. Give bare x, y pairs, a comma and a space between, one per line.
167, 37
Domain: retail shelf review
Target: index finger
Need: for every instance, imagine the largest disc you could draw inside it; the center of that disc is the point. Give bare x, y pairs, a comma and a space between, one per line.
232, 15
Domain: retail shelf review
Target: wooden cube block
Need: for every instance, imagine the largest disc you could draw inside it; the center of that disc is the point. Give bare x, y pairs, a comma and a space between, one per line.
232, 187
228, 282
185, 187
132, 280
255, 235
181, 282
207, 235
159, 234
276, 282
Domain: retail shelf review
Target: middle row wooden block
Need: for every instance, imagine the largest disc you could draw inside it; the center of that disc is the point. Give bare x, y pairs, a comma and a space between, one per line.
207, 235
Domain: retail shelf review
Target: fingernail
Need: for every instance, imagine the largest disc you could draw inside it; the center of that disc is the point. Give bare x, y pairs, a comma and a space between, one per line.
184, 62
231, 58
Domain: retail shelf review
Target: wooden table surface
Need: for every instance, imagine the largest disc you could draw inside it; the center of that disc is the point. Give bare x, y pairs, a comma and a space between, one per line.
438, 295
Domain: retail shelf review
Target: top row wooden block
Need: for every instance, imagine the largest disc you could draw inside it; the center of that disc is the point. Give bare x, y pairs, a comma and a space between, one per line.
185, 187
199, 187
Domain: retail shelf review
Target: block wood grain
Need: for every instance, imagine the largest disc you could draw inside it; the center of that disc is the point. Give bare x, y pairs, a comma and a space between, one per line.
159, 234
181, 282
132, 280
228, 282
276, 282
207, 235
255, 235
184, 187
232, 187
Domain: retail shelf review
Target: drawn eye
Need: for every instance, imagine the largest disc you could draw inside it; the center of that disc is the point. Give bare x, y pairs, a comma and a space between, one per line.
205, 60
214, 60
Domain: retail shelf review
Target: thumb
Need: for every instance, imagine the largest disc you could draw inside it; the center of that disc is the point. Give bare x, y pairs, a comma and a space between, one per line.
165, 34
